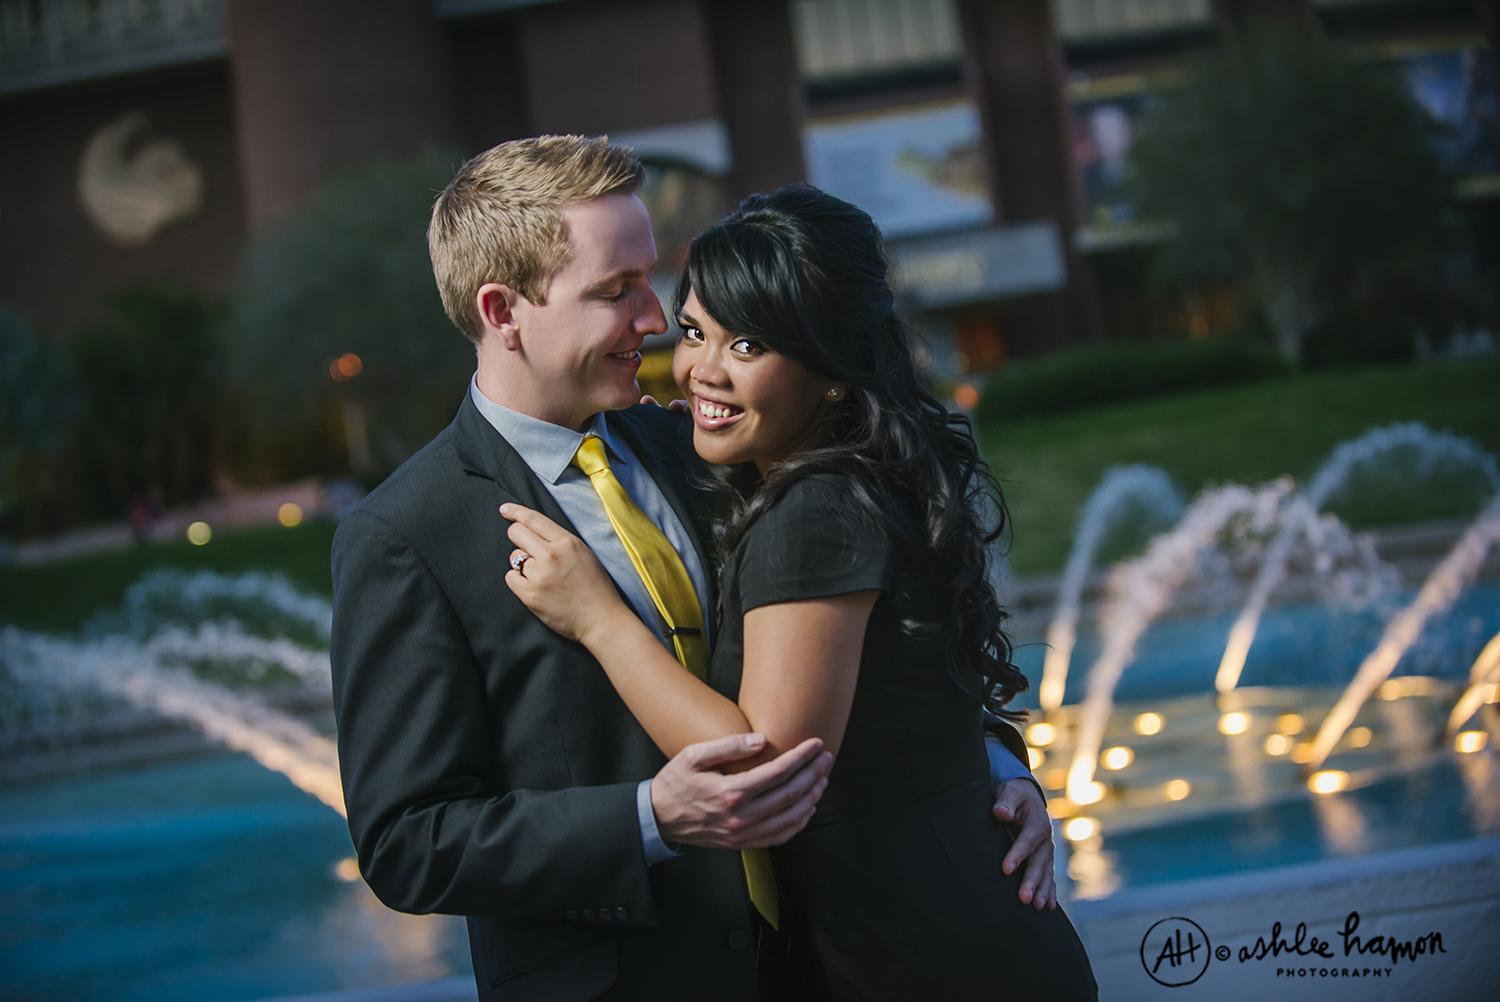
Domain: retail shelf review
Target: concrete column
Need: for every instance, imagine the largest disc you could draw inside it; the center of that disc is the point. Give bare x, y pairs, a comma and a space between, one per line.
1489, 17
323, 84
1017, 68
760, 93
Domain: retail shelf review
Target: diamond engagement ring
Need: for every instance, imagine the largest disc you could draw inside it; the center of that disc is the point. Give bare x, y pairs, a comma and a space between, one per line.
517, 560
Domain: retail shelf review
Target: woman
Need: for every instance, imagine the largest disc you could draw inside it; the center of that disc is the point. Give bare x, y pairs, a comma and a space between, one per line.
854, 606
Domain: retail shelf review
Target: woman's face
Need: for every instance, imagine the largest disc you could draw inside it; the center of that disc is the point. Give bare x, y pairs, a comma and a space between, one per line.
749, 404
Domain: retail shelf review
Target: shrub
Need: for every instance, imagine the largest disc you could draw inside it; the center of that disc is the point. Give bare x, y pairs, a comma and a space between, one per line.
38, 405
351, 275
1120, 371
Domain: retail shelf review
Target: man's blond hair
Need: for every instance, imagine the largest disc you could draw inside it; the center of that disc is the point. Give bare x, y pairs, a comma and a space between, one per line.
499, 219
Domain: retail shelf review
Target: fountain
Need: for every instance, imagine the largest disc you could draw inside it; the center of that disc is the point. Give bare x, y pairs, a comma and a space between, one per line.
1301, 517
1125, 490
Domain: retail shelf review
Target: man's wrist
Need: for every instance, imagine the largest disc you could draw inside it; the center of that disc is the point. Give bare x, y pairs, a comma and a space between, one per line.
656, 849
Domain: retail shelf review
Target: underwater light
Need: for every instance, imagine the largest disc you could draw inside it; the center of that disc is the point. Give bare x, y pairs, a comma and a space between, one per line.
1079, 829
1041, 735
1470, 741
1328, 781
1149, 724
1234, 723
1118, 757
1177, 789
1278, 744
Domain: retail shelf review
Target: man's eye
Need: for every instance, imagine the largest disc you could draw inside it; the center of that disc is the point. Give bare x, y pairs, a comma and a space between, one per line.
619, 296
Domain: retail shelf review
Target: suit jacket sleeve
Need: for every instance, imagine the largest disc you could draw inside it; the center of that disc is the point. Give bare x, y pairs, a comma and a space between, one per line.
434, 824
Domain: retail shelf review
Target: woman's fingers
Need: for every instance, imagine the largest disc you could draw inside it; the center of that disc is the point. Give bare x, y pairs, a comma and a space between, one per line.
532, 519
527, 538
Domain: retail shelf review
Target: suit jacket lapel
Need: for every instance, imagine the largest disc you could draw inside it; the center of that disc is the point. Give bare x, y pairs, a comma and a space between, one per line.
484, 452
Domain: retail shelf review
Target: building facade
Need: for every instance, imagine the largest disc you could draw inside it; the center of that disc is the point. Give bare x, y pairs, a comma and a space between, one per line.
149, 139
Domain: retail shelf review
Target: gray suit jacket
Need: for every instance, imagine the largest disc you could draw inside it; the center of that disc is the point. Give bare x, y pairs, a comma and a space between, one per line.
488, 765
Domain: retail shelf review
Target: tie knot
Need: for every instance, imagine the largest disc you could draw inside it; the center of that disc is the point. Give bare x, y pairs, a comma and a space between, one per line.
590, 456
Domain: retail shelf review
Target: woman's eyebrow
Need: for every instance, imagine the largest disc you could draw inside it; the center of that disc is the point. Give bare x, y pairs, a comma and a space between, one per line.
687, 320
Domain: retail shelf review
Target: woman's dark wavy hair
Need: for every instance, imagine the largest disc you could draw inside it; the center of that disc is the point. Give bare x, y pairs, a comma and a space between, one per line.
804, 274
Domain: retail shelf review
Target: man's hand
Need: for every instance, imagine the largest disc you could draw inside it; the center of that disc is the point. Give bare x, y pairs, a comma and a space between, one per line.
696, 804
1019, 806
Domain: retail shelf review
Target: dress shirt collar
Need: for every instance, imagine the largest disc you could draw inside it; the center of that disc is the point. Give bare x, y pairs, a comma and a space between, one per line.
545, 447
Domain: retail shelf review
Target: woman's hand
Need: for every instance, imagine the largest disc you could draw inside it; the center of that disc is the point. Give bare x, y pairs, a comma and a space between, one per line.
560, 579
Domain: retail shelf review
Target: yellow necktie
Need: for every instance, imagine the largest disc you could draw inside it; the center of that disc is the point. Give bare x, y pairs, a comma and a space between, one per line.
665, 577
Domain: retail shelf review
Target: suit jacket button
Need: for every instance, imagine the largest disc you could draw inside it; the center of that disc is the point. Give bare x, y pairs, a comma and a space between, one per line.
622, 914
571, 916
588, 915
605, 915
738, 939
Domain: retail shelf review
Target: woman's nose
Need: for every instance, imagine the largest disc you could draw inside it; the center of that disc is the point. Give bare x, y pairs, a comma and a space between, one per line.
708, 368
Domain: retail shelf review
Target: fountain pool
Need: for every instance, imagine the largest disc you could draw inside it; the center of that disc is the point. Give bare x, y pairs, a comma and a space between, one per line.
209, 878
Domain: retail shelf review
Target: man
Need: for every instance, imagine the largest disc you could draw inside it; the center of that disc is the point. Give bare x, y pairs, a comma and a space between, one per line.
489, 768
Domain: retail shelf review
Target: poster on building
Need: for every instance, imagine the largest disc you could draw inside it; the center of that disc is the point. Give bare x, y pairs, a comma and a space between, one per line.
1457, 88
915, 170
1103, 131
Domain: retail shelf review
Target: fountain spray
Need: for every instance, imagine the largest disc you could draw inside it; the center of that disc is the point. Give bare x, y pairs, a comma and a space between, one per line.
1122, 485
1301, 515
1438, 592
1485, 673
1139, 591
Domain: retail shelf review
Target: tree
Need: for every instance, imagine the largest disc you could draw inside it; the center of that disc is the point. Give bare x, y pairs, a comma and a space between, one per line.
151, 368
1280, 160
351, 276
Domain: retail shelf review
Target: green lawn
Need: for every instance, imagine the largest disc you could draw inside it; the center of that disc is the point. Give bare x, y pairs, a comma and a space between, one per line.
1247, 434
61, 596
1048, 466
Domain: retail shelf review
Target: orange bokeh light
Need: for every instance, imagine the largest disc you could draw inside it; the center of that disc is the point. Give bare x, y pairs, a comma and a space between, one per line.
345, 367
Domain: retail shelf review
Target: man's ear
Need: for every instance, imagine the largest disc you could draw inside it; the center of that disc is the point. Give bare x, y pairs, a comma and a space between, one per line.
496, 305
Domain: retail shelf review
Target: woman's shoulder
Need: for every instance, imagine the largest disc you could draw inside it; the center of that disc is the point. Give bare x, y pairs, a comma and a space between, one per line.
814, 497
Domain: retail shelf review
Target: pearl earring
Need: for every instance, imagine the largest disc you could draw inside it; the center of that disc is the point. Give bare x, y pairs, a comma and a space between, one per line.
835, 393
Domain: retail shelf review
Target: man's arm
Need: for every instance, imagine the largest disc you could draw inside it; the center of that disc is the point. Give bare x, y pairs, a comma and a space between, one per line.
418, 755
419, 762
1021, 805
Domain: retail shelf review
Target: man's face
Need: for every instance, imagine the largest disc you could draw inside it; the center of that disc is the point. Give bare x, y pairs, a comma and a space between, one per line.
583, 347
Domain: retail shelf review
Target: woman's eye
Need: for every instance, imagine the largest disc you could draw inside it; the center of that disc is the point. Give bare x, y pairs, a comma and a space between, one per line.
692, 334
744, 346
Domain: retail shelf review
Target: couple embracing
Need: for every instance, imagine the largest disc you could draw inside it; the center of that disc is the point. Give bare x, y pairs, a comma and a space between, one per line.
690, 706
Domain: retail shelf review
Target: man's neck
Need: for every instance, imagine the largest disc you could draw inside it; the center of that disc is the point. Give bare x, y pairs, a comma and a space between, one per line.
517, 395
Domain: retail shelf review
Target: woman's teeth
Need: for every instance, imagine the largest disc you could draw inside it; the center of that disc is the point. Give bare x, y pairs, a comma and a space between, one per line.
713, 410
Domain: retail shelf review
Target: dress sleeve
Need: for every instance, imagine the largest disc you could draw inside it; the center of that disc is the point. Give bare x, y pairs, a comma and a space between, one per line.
812, 543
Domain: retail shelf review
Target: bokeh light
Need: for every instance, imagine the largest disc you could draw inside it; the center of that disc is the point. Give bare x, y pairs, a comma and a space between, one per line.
199, 533
1149, 724
289, 514
1078, 829
1328, 781
1118, 757
1234, 723
1290, 723
1278, 744
1177, 789
1470, 741
1041, 735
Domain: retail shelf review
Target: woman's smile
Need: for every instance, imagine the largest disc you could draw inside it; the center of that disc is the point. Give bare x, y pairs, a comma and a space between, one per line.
713, 415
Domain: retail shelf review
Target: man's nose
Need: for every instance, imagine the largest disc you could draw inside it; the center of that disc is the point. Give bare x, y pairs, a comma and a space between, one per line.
650, 319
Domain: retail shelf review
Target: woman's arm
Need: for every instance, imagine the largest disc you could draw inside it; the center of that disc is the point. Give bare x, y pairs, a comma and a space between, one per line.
801, 658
